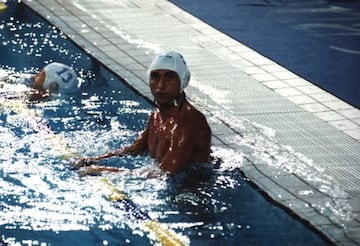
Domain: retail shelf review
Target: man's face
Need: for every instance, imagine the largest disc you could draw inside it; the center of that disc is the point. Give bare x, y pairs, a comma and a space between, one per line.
39, 80
164, 85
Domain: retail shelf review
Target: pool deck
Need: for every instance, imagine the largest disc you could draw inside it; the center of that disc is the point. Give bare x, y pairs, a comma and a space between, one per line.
231, 83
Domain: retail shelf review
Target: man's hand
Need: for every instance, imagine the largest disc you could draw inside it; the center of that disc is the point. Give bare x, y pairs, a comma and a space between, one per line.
90, 170
97, 170
81, 162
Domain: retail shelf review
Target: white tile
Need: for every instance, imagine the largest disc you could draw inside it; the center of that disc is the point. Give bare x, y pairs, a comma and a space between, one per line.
337, 105
354, 133
352, 113
298, 82
254, 70
285, 75
239, 49
344, 125
288, 92
301, 99
329, 116
310, 89
261, 60
314, 107
357, 121
263, 77
273, 68
276, 84
324, 97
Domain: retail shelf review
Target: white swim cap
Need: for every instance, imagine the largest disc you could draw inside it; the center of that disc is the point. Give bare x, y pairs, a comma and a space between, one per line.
63, 75
172, 61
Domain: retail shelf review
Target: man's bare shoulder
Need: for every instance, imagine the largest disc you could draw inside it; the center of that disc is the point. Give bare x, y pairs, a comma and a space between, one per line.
192, 115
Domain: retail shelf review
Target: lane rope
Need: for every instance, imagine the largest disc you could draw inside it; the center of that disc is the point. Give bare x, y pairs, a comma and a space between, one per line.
161, 233
57, 142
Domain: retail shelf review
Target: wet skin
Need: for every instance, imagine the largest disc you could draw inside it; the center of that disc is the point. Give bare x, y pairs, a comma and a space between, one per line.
177, 134
39, 93
38, 83
38, 80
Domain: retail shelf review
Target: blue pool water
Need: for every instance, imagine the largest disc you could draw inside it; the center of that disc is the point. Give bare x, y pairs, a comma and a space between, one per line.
44, 202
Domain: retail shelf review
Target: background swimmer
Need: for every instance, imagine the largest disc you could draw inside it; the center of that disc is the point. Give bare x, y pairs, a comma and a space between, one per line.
53, 78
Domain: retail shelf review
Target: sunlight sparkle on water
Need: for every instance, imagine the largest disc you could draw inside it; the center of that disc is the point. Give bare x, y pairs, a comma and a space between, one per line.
25, 40
259, 146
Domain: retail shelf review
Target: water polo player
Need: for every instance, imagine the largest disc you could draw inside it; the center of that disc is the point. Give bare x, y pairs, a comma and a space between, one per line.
177, 134
55, 77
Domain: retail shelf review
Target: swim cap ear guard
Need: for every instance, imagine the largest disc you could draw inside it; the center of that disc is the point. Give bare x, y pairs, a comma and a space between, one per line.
61, 74
172, 61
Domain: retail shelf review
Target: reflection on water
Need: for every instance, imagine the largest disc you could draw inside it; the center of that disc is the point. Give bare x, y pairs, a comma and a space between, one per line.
20, 39
260, 147
43, 201
38, 190
41, 195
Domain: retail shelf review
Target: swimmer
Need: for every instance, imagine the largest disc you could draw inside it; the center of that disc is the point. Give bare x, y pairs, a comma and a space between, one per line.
177, 134
53, 78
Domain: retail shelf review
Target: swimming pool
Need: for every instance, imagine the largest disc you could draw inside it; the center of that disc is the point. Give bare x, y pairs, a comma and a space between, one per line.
43, 202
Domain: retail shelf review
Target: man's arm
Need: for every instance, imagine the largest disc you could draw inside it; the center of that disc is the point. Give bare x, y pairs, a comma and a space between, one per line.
137, 147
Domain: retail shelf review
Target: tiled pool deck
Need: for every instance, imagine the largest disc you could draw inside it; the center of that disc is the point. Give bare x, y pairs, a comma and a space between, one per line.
231, 82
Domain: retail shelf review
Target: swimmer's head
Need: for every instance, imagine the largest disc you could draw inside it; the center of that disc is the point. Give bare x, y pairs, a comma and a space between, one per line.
172, 61
60, 76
